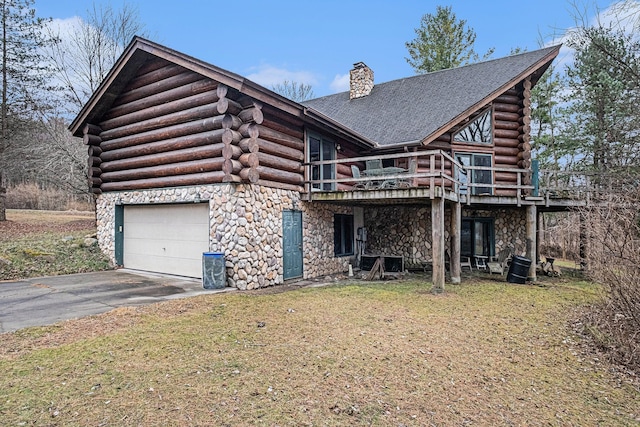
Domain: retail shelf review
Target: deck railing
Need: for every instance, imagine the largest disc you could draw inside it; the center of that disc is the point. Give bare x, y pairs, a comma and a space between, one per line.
438, 170
586, 185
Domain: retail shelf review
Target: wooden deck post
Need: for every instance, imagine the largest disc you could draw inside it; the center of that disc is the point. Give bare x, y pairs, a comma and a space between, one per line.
531, 240
454, 232
437, 245
540, 238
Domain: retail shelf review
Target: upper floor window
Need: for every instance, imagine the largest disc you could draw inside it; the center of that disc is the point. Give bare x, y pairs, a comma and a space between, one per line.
322, 149
479, 130
480, 174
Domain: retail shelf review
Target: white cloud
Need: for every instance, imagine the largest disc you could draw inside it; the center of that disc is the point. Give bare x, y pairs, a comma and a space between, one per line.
65, 28
623, 15
340, 83
269, 75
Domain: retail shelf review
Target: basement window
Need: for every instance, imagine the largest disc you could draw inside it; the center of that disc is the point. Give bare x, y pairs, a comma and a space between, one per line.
342, 235
479, 130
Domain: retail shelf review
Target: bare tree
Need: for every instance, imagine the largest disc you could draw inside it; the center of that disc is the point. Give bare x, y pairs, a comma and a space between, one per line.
294, 91
22, 72
83, 57
613, 259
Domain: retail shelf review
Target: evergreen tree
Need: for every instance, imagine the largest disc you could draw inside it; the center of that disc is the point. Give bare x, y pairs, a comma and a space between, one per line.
603, 120
442, 42
23, 73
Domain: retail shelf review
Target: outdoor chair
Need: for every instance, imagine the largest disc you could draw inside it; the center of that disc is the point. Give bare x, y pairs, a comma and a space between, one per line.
500, 263
374, 164
355, 171
408, 182
465, 261
480, 263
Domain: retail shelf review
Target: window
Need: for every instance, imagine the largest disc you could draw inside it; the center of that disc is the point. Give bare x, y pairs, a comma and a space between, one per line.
477, 237
342, 235
479, 130
321, 149
475, 176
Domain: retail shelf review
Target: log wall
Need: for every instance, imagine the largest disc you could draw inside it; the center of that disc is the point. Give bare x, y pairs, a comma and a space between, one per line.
511, 140
173, 127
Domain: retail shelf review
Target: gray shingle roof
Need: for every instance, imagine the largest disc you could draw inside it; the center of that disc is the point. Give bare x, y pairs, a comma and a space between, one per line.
414, 108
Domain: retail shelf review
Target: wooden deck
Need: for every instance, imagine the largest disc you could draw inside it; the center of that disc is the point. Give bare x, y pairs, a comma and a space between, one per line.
439, 181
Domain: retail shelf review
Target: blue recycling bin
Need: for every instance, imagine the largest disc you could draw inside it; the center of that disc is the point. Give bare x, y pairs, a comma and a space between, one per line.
214, 271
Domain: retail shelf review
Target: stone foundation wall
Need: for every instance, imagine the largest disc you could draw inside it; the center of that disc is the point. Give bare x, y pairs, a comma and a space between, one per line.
401, 230
406, 230
246, 224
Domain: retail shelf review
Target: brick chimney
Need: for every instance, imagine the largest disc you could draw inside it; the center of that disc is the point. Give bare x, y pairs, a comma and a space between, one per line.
360, 80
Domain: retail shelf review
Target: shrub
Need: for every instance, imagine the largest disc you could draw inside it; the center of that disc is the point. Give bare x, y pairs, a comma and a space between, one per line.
33, 196
613, 260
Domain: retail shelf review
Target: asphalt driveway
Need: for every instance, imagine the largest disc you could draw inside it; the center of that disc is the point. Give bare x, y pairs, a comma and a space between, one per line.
47, 300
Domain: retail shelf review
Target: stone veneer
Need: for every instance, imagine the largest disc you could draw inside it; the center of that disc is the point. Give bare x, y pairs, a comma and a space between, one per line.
246, 224
406, 230
360, 80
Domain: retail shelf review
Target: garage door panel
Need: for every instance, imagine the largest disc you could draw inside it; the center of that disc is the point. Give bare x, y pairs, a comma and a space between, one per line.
166, 238
192, 232
177, 266
174, 248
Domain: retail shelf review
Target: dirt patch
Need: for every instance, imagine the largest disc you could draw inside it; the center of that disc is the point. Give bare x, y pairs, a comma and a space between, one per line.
22, 223
45, 243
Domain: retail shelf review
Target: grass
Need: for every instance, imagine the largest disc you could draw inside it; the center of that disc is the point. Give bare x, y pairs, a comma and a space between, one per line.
41, 243
483, 353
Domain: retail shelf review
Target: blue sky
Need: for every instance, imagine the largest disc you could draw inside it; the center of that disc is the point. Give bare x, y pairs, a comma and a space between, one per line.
317, 42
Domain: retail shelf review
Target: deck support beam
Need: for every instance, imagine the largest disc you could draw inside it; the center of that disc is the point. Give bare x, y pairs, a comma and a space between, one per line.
437, 245
540, 231
531, 239
454, 232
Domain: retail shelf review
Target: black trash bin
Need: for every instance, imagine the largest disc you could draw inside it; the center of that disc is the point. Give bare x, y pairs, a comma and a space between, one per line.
518, 270
214, 271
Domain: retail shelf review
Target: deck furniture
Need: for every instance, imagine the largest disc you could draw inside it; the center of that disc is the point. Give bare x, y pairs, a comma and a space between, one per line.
383, 173
500, 263
481, 263
355, 172
465, 261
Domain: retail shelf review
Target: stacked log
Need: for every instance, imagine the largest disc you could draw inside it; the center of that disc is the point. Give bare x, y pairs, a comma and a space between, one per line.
168, 127
507, 134
525, 159
91, 137
251, 117
272, 154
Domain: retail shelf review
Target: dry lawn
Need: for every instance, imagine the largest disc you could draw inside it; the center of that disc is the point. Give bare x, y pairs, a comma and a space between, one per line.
485, 353
40, 243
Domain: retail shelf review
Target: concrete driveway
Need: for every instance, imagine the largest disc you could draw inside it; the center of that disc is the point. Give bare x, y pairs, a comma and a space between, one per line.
47, 300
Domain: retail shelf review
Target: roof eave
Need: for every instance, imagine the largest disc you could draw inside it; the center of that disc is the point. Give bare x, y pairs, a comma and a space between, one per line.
541, 64
135, 54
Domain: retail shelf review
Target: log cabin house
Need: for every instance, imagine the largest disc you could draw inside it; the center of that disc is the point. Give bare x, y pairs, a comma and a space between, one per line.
186, 158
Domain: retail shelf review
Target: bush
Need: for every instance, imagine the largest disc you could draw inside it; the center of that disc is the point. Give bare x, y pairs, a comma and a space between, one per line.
32, 196
613, 260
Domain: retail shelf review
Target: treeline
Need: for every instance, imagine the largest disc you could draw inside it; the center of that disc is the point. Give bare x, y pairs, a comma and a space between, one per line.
48, 73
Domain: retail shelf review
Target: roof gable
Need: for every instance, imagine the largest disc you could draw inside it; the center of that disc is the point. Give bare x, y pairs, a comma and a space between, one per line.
139, 52
417, 109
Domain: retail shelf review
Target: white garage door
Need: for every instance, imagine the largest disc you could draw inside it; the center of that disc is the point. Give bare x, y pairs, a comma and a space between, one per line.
166, 238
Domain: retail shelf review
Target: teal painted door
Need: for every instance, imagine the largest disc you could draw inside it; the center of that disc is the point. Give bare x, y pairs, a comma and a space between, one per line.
119, 235
292, 244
